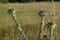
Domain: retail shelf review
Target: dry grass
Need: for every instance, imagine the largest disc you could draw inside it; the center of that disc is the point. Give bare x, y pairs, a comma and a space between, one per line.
27, 15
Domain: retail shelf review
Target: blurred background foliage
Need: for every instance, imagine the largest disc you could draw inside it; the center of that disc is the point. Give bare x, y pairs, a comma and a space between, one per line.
23, 1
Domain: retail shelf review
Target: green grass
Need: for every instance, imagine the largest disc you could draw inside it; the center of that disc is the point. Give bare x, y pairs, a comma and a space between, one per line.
27, 15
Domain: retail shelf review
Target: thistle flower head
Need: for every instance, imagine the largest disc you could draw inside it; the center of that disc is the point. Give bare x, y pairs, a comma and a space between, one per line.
42, 13
11, 11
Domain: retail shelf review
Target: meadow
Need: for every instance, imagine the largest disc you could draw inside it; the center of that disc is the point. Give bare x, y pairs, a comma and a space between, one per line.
27, 15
